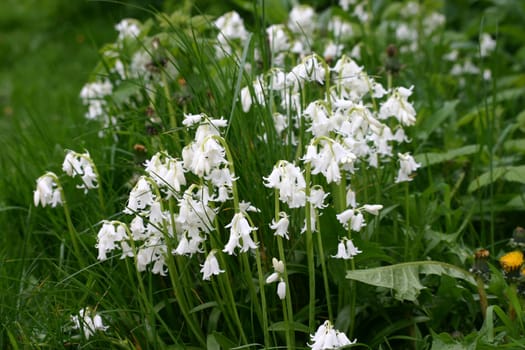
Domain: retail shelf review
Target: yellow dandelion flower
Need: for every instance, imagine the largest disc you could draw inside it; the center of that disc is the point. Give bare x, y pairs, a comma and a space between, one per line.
511, 261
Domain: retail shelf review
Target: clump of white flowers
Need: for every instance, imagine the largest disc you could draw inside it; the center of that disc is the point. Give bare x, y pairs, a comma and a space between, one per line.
277, 275
288, 179
48, 192
127, 28
346, 249
81, 164
327, 337
89, 322
231, 28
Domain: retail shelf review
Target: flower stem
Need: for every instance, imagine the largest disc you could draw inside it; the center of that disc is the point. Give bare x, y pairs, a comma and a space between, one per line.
260, 309
325, 273
70, 227
407, 222
171, 110
482, 296
264, 308
310, 253
286, 304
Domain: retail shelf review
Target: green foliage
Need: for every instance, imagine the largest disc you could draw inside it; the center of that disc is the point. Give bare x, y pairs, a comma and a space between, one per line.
403, 278
409, 288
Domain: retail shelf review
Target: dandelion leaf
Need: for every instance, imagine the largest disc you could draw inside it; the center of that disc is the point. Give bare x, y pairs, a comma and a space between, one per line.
403, 278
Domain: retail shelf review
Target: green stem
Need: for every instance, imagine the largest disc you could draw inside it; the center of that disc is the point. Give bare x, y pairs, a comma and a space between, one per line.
260, 309
266, 331
407, 222
226, 288
171, 110
353, 298
286, 305
143, 294
181, 293
325, 273
310, 252
483, 302
70, 227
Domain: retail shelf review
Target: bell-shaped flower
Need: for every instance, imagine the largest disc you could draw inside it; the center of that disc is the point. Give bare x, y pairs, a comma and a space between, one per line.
231, 26
140, 197
281, 226
327, 337
317, 197
127, 28
47, 190
167, 172
351, 218
277, 275
397, 106
240, 230
310, 69
301, 20
372, 208
88, 321
210, 266
346, 249
289, 181
110, 233
407, 165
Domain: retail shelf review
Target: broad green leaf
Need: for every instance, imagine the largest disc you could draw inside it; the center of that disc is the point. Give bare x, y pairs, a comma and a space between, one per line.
520, 118
404, 278
212, 343
507, 173
435, 238
444, 341
220, 339
517, 145
432, 158
517, 202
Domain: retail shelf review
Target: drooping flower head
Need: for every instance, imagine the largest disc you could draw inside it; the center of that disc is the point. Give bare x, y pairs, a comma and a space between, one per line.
346, 249
281, 226
110, 233
166, 171
277, 275
407, 165
210, 266
240, 230
327, 337
88, 321
289, 181
81, 164
47, 190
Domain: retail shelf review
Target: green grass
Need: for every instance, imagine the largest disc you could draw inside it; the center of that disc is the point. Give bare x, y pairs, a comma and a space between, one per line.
468, 194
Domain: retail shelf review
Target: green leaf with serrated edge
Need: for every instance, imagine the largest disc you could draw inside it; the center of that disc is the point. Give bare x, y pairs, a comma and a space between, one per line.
508, 173
517, 145
404, 278
432, 158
